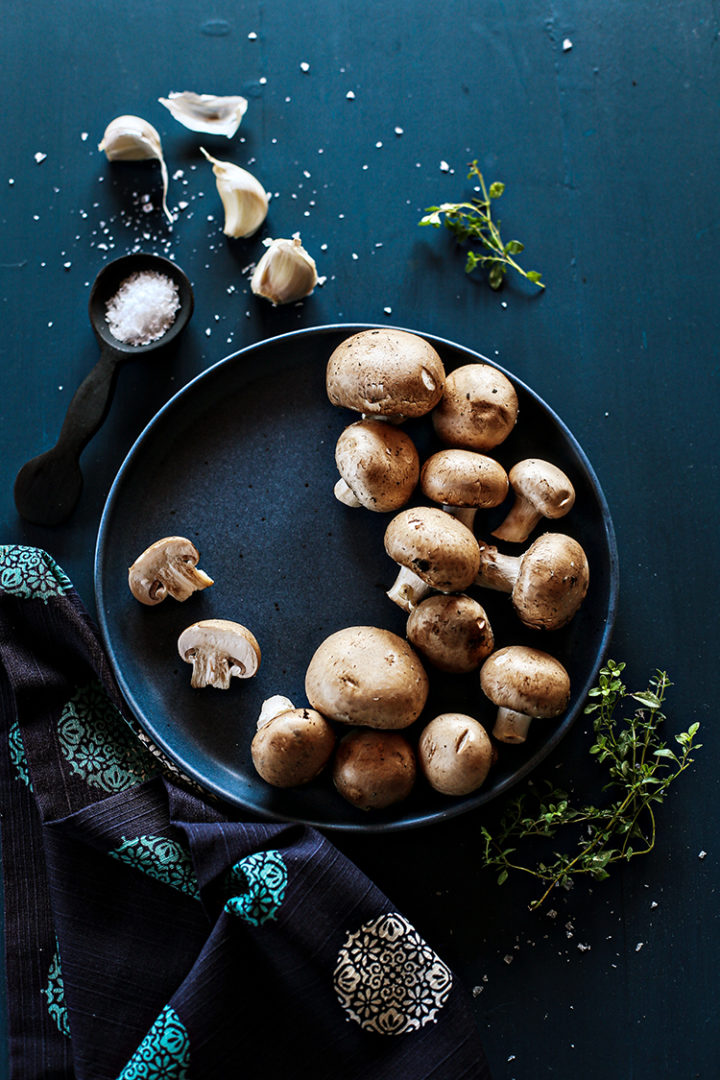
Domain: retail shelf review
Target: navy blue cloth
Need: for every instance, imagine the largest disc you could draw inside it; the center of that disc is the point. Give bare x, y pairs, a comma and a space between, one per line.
152, 934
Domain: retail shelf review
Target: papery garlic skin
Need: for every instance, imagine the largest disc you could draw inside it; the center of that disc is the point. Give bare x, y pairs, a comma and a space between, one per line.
285, 272
244, 199
130, 138
206, 112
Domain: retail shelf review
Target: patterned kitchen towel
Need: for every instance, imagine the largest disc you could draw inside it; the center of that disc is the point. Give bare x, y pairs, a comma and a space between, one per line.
149, 934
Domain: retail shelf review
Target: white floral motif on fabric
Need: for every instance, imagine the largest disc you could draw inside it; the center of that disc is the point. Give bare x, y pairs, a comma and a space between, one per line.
388, 979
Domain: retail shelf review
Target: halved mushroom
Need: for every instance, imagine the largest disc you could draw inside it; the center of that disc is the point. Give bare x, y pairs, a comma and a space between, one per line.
542, 490
219, 650
378, 466
478, 410
167, 568
374, 769
367, 676
434, 551
452, 632
464, 482
547, 584
291, 746
385, 372
524, 683
455, 754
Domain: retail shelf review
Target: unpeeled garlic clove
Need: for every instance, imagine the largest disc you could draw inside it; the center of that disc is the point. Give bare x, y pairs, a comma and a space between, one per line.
244, 199
206, 112
130, 138
285, 272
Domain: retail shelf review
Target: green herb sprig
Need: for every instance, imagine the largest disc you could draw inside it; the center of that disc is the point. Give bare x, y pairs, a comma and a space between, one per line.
473, 222
640, 768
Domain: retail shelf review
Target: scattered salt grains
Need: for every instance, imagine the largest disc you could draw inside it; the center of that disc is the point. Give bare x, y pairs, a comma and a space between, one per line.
143, 308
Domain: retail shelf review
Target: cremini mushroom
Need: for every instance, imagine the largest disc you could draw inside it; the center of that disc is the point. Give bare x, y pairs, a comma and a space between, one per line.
385, 372
547, 583
478, 410
433, 550
542, 490
378, 465
524, 683
464, 482
167, 568
374, 769
451, 631
368, 676
291, 746
455, 753
219, 650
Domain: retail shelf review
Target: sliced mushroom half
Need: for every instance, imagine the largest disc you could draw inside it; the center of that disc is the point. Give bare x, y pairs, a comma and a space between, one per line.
167, 568
219, 650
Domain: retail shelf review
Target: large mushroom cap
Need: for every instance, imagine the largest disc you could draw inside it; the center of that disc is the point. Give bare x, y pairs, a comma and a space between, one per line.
478, 410
385, 372
464, 478
451, 631
219, 650
378, 466
552, 582
542, 490
167, 568
374, 769
367, 676
455, 753
435, 546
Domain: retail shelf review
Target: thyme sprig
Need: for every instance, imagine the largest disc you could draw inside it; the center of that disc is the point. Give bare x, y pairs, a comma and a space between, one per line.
472, 222
640, 768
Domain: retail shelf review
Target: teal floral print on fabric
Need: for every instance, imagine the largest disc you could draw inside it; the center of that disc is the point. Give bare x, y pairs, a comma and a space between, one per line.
54, 992
99, 745
258, 883
17, 754
31, 574
164, 1053
160, 858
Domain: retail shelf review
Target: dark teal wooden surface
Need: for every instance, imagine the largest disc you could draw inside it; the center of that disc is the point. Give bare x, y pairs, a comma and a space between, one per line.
609, 150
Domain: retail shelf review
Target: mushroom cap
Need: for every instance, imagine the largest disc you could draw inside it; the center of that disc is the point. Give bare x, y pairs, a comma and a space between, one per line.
552, 582
526, 680
455, 753
228, 648
385, 372
451, 631
379, 463
167, 567
478, 410
544, 485
434, 545
459, 477
293, 747
374, 769
367, 676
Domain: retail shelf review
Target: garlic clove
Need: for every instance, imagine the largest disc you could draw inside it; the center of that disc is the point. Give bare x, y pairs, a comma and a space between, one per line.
244, 199
206, 112
285, 272
130, 138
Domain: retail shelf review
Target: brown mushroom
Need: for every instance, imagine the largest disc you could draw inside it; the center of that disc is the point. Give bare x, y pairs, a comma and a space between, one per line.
378, 466
434, 551
167, 568
464, 482
291, 746
542, 490
478, 410
451, 631
374, 769
455, 753
219, 650
547, 583
524, 683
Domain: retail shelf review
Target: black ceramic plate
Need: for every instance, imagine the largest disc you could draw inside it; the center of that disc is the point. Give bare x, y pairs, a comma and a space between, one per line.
241, 461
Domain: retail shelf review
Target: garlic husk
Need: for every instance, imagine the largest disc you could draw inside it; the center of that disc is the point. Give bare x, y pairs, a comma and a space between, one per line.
244, 199
285, 272
130, 138
206, 112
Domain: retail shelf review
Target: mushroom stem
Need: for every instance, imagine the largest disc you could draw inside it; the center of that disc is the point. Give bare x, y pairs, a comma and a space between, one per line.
511, 726
519, 523
210, 669
466, 514
408, 589
497, 571
345, 494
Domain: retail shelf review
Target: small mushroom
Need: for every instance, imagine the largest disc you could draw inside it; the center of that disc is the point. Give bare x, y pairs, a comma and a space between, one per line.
291, 746
478, 410
452, 632
385, 372
219, 650
434, 551
167, 568
374, 769
378, 466
367, 676
547, 584
524, 683
455, 754
464, 482
542, 490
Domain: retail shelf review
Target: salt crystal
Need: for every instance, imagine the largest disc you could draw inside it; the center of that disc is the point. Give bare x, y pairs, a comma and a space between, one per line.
304, 66
252, 36
567, 44
143, 308
702, 854
444, 167
399, 131
40, 157
350, 95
